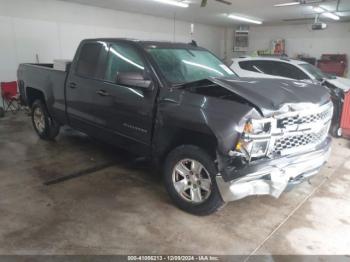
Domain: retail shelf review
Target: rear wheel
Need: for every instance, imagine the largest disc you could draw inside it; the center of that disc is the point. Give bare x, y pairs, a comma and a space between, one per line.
46, 127
189, 176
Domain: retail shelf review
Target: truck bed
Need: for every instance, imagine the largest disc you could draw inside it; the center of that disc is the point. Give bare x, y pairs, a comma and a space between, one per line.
45, 79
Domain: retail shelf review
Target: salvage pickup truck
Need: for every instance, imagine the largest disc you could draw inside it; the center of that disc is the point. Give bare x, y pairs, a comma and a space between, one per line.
217, 137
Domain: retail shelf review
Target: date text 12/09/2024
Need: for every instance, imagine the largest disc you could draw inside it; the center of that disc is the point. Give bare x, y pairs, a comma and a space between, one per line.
173, 258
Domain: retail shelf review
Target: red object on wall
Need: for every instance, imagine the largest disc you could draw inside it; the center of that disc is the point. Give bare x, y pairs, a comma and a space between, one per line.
10, 96
333, 64
345, 117
9, 89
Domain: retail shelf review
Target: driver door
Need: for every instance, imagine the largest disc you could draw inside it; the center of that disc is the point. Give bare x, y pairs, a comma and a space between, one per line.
125, 111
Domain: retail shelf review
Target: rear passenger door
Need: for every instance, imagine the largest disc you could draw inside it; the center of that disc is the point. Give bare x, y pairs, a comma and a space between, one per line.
87, 71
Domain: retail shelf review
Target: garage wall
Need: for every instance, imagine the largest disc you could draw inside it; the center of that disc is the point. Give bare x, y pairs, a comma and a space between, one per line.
52, 29
300, 39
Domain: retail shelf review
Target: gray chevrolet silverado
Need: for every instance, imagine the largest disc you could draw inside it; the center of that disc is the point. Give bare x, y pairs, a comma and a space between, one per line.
218, 138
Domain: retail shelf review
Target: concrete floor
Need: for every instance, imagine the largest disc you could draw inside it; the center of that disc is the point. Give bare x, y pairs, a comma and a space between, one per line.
124, 209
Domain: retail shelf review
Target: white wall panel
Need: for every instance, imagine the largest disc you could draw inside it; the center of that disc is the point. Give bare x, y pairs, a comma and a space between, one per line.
53, 29
35, 37
300, 39
106, 32
8, 59
70, 36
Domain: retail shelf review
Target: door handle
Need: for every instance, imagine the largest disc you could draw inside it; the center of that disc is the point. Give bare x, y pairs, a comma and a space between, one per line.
73, 85
102, 93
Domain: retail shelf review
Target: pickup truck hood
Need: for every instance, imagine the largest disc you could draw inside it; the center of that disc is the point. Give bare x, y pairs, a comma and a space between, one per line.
340, 82
269, 95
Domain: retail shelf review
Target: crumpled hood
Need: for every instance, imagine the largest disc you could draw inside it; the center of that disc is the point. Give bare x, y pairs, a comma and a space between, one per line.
269, 95
340, 82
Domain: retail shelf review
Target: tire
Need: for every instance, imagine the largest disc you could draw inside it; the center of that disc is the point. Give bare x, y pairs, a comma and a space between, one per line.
194, 200
336, 131
47, 128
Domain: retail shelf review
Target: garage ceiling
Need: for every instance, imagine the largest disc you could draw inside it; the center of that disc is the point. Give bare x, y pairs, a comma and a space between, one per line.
215, 13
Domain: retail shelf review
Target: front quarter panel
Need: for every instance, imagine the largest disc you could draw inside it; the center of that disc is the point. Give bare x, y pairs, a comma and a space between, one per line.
221, 118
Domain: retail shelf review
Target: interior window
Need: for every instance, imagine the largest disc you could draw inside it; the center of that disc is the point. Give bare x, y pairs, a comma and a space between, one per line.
123, 58
90, 58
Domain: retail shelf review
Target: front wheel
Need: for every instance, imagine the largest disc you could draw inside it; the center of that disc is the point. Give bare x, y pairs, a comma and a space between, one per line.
46, 127
189, 177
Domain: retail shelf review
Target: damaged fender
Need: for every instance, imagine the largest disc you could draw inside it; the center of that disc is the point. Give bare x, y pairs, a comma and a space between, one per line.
202, 109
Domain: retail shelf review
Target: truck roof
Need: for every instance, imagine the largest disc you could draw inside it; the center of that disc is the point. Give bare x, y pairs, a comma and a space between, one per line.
148, 43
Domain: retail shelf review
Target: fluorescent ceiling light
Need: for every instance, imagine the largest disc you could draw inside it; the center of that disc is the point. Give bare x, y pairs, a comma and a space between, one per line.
326, 13
244, 19
288, 4
173, 2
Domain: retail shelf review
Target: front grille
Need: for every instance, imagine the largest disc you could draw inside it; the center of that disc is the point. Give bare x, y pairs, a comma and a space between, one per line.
294, 142
297, 120
300, 130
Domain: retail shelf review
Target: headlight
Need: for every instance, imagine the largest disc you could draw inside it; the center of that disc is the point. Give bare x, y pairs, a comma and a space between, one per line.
253, 149
255, 139
257, 127
259, 148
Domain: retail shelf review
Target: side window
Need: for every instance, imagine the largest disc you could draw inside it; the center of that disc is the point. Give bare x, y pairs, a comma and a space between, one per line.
249, 65
267, 67
90, 61
256, 66
123, 58
292, 71
274, 68
284, 69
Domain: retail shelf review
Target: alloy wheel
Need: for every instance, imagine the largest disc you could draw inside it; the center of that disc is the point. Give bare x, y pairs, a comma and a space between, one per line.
191, 181
39, 119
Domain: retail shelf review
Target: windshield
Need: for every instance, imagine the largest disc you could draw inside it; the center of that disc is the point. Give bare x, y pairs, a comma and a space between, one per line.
180, 66
314, 71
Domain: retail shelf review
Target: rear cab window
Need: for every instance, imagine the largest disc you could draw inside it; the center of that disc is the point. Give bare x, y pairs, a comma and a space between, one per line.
91, 60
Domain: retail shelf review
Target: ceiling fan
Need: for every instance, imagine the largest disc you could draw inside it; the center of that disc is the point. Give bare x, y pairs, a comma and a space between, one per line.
205, 2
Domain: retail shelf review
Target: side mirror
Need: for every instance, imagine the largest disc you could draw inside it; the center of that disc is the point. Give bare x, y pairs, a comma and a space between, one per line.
133, 80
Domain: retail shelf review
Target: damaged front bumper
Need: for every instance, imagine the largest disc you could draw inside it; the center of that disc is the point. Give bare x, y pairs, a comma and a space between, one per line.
274, 176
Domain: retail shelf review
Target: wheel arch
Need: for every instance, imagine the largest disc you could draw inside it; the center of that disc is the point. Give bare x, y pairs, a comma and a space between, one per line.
169, 138
33, 94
